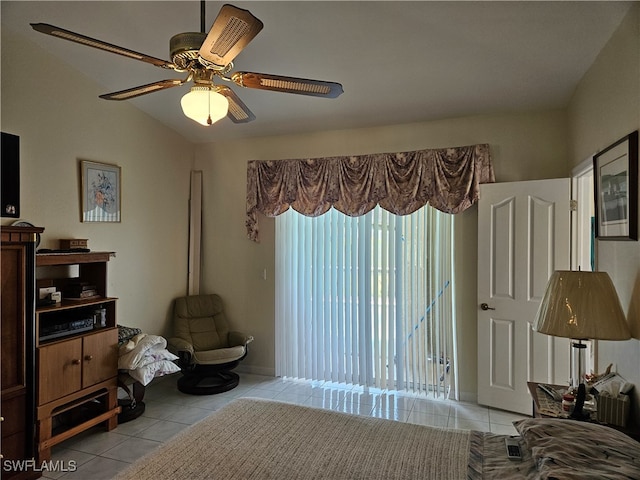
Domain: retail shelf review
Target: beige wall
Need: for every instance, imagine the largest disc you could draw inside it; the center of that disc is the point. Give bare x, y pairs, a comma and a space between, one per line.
605, 108
523, 147
60, 120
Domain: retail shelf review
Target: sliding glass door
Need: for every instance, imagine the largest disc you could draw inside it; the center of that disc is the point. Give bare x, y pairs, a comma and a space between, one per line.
366, 300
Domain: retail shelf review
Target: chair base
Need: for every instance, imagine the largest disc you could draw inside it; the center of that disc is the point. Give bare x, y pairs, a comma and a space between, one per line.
208, 383
128, 411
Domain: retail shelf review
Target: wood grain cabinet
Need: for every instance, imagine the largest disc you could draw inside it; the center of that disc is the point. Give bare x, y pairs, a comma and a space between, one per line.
17, 351
68, 366
77, 358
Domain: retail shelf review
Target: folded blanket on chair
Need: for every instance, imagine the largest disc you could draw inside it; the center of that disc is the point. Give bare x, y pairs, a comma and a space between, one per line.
145, 357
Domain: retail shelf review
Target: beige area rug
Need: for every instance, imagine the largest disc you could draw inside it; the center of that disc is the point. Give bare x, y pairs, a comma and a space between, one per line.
263, 439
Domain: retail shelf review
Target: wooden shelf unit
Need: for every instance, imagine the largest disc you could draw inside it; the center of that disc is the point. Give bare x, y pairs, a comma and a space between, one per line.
76, 371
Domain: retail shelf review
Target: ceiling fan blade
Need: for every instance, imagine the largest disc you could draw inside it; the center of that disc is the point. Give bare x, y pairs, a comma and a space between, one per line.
279, 83
232, 30
92, 42
142, 90
238, 111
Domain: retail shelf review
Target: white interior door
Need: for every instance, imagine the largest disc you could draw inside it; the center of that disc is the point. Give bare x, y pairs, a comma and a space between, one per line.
523, 237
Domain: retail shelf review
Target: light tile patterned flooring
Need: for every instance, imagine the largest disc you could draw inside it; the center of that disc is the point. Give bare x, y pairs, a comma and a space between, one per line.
98, 454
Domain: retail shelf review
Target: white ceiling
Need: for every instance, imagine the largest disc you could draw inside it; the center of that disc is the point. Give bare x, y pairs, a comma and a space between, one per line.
398, 62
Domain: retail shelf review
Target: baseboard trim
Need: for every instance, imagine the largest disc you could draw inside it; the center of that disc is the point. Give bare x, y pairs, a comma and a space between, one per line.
469, 397
243, 368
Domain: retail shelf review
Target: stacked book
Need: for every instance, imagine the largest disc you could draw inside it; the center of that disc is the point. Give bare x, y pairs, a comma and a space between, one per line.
78, 290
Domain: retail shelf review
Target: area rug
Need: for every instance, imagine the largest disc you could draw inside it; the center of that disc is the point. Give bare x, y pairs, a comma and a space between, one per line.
263, 439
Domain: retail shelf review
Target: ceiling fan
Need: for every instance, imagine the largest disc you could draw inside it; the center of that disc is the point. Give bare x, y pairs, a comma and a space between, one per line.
206, 57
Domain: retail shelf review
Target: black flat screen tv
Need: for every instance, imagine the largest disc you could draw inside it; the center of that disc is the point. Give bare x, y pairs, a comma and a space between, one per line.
10, 175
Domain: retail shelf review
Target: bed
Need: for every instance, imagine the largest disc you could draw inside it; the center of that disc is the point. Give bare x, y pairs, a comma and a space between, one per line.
252, 438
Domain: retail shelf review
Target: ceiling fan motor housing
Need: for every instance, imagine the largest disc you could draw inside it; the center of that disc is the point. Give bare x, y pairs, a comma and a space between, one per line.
184, 48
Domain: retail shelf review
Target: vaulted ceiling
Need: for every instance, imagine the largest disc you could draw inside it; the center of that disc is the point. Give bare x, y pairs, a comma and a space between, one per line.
398, 62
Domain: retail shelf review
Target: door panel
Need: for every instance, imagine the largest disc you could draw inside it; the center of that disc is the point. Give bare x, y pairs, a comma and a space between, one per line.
523, 236
502, 341
12, 366
502, 248
100, 357
541, 234
59, 366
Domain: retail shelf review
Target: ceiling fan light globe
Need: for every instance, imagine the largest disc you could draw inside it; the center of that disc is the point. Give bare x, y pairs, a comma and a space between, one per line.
204, 105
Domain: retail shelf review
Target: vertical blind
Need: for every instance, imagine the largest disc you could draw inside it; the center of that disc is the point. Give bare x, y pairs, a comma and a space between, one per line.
367, 300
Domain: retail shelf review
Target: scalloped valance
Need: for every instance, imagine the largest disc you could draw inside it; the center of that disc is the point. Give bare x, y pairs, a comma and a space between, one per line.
401, 183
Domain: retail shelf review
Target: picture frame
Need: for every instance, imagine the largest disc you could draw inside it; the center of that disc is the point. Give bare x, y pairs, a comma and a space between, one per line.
616, 190
100, 192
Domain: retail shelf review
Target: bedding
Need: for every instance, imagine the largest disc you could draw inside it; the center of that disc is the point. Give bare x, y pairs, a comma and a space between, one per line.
570, 449
253, 438
488, 459
145, 357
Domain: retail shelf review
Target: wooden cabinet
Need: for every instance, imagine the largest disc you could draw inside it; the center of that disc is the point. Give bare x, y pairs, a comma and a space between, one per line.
76, 355
68, 366
17, 351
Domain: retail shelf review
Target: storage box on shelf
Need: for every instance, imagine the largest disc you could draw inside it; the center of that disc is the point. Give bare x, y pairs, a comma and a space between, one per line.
76, 352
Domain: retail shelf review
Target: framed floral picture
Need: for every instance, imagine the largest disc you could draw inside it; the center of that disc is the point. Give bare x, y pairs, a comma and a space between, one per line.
100, 191
616, 190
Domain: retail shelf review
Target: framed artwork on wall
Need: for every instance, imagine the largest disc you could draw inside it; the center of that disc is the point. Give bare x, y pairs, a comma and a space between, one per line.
616, 190
100, 191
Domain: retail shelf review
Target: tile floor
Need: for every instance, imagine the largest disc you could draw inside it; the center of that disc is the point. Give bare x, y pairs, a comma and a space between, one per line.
97, 454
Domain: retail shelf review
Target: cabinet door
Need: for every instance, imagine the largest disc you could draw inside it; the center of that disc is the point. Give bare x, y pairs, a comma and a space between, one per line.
13, 351
60, 368
99, 357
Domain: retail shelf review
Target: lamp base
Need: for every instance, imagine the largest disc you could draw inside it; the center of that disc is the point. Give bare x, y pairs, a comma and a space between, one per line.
577, 363
578, 413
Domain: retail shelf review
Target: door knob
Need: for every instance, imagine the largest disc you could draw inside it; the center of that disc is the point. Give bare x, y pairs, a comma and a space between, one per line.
485, 306
88, 358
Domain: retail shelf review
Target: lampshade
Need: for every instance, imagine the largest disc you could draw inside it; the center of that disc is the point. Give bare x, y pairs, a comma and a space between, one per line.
581, 305
204, 105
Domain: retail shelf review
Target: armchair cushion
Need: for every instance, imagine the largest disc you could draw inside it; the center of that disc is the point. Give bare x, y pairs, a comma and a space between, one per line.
219, 355
201, 328
200, 320
176, 345
239, 338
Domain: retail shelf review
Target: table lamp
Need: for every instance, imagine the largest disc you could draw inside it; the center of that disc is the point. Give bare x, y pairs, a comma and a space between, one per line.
581, 306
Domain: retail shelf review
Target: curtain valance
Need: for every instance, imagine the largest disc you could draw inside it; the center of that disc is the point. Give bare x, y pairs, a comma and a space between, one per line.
401, 183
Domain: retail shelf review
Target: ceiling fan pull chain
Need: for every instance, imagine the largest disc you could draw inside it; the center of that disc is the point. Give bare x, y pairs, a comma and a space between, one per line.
209, 121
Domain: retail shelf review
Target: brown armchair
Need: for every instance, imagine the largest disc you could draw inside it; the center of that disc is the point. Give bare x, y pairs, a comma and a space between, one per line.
206, 346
